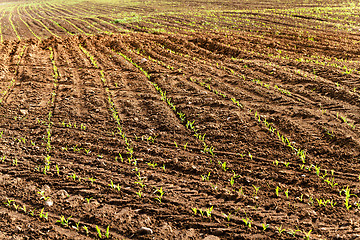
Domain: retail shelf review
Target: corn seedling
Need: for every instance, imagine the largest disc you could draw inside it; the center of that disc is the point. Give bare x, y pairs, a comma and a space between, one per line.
277, 191
153, 164
280, 229
64, 221
301, 197
247, 221
287, 193
194, 210
332, 203
42, 193
241, 191
347, 197
98, 231
208, 211
331, 182
163, 167
223, 166
293, 232
73, 176
43, 215
77, 226
321, 202
114, 186
206, 177
160, 194
121, 158
232, 181
214, 186
88, 200
256, 190
23, 208
57, 170
32, 212
107, 233
92, 180
139, 193
265, 226
86, 230
311, 201
16, 206
307, 234
227, 216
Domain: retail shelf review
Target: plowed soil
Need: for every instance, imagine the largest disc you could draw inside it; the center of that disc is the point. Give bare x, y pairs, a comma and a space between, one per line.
232, 124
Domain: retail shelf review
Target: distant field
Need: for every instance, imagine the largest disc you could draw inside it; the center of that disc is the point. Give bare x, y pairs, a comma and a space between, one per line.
196, 119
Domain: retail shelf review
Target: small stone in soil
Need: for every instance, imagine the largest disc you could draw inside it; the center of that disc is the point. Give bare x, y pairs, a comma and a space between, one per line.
144, 231
63, 193
49, 202
211, 237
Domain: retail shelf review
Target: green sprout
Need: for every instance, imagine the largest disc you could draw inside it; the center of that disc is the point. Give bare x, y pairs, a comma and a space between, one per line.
160, 194
287, 193
256, 190
265, 226
98, 231
277, 191
107, 233
64, 221
86, 230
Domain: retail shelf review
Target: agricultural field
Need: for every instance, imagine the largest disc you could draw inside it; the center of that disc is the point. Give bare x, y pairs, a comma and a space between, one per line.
179, 119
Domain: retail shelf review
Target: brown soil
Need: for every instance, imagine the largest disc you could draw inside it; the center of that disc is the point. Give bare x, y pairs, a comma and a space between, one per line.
240, 107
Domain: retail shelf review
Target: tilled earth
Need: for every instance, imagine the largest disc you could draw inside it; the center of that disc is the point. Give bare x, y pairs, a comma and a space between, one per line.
233, 134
